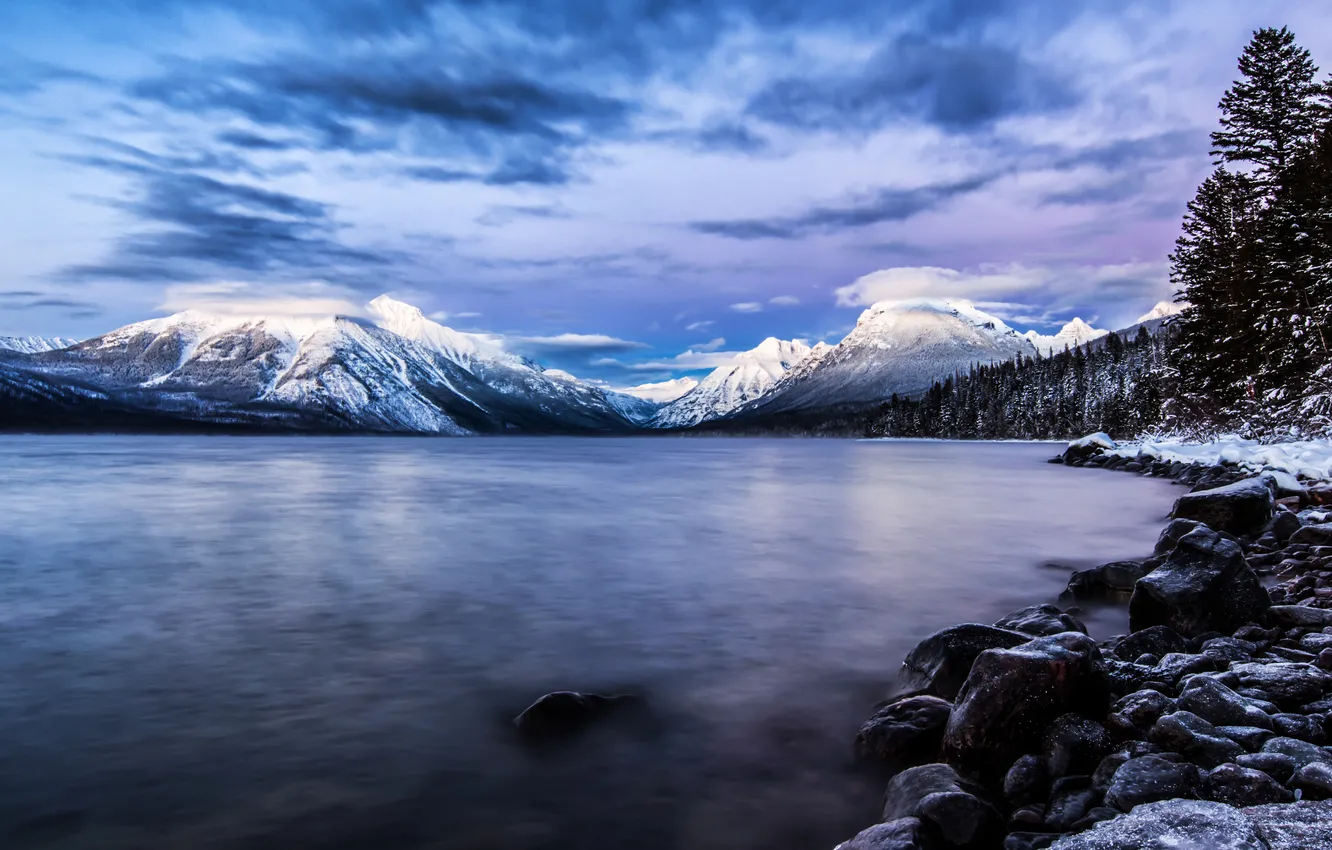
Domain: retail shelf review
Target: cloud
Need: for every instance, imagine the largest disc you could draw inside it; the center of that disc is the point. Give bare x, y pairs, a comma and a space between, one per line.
748, 307
698, 326
502, 214
22, 76
573, 343
314, 300
784, 301
714, 345
879, 206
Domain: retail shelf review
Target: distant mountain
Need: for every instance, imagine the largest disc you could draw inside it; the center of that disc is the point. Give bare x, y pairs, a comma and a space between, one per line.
663, 392
896, 347
1162, 310
396, 371
35, 344
748, 377
1071, 335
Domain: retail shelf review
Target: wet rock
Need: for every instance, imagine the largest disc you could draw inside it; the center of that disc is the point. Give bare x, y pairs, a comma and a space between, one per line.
1177, 665
1313, 781
1070, 800
1027, 781
1316, 642
1148, 779
1204, 586
1191, 824
1300, 752
1219, 705
1106, 583
1243, 786
1229, 649
1197, 740
1249, 737
900, 834
1240, 508
1126, 677
1041, 620
1012, 695
1030, 840
1155, 640
1294, 826
1139, 711
564, 713
1279, 766
1313, 535
1177, 528
1075, 745
1300, 727
1283, 526
904, 731
946, 805
940, 663
1303, 616
1288, 684
1095, 816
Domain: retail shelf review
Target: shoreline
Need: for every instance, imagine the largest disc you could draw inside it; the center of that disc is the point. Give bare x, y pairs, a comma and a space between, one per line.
1205, 724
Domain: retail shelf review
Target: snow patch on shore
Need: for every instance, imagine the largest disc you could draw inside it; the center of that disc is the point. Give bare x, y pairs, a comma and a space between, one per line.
1310, 458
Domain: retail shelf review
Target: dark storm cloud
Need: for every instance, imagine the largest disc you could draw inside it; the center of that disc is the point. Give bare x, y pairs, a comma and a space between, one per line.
957, 87
882, 205
254, 141
205, 227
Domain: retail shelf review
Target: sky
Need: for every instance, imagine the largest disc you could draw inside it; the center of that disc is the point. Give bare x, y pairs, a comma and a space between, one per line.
625, 189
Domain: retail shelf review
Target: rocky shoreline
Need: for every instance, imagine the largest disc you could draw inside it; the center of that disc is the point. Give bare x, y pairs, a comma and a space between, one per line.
1205, 726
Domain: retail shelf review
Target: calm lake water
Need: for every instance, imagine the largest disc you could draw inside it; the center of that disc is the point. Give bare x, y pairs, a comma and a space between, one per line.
317, 643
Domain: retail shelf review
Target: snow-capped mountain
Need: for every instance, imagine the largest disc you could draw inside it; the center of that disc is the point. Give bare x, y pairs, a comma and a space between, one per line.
1071, 335
397, 371
896, 347
750, 374
35, 344
1162, 310
662, 392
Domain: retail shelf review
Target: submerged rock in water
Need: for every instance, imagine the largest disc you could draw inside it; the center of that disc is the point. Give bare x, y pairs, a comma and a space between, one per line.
1108, 582
563, 713
1204, 586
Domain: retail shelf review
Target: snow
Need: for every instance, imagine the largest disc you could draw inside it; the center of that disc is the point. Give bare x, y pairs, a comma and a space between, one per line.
1309, 458
1071, 335
1100, 439
662, 392
750, 374
35, 344
1162, 310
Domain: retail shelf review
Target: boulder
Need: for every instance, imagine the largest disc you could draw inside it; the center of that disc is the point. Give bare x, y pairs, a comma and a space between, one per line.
1148, 779
940, 663
1171, 825
1294, 826
1138, 712
1287, 683
1041, 620
1300, 752
1088, 446
1074, 745
1300, 616
1284, 525
1070, 800
908, 730
946, 805
1204, 586
1250, 738
1194, 738
1243, 786
1219, 705
1165, 544
1030, 840
1301, 727
1027, 782
1012, 695
1240, 508
900, 834
1154, 640
1279, 766
1177, 665
1106, 583
563, 713
1313, 781
1313, 535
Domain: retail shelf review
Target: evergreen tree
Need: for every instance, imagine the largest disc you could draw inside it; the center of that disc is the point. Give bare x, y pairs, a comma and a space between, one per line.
1273, 111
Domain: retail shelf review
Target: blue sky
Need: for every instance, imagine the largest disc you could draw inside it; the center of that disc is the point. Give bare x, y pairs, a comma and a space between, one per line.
628, 189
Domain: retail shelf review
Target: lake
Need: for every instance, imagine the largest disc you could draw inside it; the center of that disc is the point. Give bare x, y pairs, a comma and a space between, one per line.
314, 643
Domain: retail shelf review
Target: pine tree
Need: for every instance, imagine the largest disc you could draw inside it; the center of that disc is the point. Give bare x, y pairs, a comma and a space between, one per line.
1273, 111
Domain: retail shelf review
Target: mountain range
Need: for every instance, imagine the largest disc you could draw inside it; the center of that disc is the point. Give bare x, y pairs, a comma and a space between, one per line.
397, 371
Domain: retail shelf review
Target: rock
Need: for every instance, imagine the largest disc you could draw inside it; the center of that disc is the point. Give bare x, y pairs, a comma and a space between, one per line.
1219, 705
1105, 771
1027, 781
1288, 684
1313, 781
1030, 841
1243, 786
1126, 677
1300, 752
1148, 779
907, 730
1106, 583
1155, 640
1229, 649
1240, 508
563, 713
900, 834
945, 804
1070, 800
1031, 816
1075, 745
1177, 528
1301, 616
1284, 525
1313, 535
1324, 660
940, 663
1139, 711
1249, 737
1088, 446
1279, 766
1177, 665
1012, 695
1041, 620
1197, 740
1095, 816
1294, 826
1171, 825
1316, 642
1300, 727
1204, 586
1282, 484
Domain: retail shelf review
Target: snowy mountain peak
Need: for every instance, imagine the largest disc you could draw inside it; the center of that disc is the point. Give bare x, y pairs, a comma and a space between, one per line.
748, 376
1162, 310
921, 307
35, 344
662, 392
1075, 333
